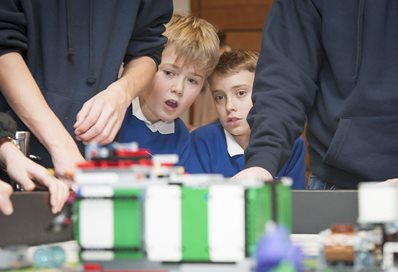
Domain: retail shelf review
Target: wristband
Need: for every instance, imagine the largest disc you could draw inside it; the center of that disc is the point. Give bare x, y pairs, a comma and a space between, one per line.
8, 139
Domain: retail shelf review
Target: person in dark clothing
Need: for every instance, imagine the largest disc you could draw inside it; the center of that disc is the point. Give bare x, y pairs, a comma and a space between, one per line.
333, 63
59, 63
24, 171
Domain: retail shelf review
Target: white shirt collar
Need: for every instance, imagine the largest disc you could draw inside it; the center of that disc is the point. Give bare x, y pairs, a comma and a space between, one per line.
162, 127
233, 147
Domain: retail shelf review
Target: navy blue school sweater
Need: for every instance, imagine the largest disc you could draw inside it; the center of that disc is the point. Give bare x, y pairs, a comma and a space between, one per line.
334, 63
159, 138
210, 145
74, 48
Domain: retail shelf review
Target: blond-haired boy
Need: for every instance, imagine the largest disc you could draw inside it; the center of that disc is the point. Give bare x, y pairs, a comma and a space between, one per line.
189, 57
219, 146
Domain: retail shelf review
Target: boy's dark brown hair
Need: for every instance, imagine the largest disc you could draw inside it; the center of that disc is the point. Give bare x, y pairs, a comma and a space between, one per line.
235, 61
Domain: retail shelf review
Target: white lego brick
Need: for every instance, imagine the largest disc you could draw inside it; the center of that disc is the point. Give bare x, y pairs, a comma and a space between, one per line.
132, 146
377, 202
389, 250
96, 228
198, 180
165, 158
162, 214
226, 215
97, 255
100, 177
96, 191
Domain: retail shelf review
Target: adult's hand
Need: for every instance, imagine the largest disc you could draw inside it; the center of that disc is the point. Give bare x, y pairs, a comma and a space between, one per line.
100, 118
65, 158
392, 181
253, 173
27, 173
5, 202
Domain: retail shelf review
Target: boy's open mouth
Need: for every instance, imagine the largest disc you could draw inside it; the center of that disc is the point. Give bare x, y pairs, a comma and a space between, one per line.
232, 119
172, 103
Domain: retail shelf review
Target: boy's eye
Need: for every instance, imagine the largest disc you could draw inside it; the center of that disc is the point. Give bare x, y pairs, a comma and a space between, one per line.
168, 72
241, 93
193, 81
218, 98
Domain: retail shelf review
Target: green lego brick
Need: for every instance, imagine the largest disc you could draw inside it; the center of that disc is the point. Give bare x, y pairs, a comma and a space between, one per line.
273, 201
127, 224
258, 212
195, 245
76, 224
284, 205
75, 219
131, 255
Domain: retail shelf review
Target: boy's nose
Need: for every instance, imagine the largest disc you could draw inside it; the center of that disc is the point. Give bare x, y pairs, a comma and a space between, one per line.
176, 90
230, 106
177, 87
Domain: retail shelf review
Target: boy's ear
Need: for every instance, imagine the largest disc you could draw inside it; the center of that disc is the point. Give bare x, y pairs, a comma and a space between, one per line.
205, 86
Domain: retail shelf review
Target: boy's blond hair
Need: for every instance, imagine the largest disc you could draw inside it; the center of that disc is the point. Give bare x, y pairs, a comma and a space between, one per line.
195, 41
235, 61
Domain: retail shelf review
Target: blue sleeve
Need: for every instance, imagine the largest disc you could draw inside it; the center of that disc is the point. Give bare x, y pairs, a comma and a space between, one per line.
295, 165
147, 38
12, 27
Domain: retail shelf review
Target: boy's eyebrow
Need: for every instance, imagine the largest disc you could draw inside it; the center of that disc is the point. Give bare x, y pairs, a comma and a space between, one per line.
216, 90
178, 67
172, 65
233, 87
197, 75
240, 86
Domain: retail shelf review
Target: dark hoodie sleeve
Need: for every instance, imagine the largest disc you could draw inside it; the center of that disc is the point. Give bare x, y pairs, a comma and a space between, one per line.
285, 81
12, 27
147, 38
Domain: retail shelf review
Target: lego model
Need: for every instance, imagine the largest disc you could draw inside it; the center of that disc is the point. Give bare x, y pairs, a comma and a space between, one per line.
149, 208
372, 244
338, 244
377, 217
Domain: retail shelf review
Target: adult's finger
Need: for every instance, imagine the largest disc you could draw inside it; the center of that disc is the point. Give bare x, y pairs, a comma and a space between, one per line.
5, 201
